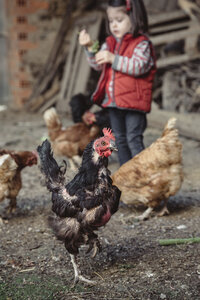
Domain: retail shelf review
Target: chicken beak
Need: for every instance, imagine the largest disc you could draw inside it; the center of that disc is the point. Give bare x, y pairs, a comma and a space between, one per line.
113, 146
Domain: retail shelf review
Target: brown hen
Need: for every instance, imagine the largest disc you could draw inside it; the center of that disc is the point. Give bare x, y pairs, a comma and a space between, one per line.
70, 141
154, 174
12, 186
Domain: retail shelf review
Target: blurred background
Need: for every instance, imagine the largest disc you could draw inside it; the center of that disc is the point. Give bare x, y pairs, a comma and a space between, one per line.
42, 63
42, 67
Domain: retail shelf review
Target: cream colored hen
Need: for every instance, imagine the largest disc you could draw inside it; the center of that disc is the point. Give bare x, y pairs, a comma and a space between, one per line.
154, 174
11, 165
8, 169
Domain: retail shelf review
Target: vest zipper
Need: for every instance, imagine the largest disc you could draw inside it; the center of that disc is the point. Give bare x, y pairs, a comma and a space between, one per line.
100, 80
113, 93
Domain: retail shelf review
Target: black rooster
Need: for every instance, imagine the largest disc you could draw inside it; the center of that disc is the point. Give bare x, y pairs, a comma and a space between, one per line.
86, 202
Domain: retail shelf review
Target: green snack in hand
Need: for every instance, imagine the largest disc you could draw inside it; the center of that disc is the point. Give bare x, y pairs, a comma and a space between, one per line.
95, 47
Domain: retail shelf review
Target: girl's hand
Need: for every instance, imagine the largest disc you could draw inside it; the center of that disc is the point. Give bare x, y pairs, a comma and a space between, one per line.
84, 39
104, 57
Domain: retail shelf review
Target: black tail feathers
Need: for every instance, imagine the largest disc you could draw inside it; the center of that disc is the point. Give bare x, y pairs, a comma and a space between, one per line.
54, 174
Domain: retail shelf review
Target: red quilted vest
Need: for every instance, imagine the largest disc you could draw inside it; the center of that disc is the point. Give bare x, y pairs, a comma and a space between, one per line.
129, 92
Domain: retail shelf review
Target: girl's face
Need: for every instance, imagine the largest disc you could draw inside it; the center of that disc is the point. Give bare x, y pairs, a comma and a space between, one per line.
119, 21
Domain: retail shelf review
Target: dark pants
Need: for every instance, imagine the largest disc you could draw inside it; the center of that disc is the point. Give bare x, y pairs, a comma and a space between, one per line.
128, 127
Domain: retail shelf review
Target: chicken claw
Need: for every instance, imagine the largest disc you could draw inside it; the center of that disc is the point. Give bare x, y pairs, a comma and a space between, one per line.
77, 274
163, 212
82, 278
11, 208
95, 246
143, 216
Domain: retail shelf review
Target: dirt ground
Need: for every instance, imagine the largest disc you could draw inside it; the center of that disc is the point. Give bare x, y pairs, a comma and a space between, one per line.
132, 264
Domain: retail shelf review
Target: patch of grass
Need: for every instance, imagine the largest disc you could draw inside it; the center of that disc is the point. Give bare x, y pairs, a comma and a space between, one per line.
29, 286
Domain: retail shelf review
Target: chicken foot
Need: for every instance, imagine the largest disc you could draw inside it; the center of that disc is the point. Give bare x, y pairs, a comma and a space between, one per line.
94, 245
145, 215
164, 211
77, 273
12, 206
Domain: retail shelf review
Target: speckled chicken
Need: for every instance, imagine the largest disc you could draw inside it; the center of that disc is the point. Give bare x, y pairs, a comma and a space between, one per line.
84, 204
13, 185
8, 168
154, 174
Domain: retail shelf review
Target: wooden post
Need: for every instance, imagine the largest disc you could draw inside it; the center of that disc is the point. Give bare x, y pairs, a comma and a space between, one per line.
48, 71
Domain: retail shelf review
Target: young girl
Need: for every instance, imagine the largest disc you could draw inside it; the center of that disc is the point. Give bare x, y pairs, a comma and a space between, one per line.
127, 63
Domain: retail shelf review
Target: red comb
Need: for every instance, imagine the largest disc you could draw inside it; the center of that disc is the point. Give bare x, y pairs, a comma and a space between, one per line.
108, 132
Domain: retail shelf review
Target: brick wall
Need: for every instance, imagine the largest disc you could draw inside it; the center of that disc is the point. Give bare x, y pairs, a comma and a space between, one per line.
19, 30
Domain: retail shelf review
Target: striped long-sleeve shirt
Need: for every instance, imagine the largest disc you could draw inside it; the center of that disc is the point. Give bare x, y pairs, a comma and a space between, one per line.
137, 65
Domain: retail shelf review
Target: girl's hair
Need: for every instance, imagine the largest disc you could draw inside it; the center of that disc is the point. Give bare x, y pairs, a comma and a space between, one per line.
137, 13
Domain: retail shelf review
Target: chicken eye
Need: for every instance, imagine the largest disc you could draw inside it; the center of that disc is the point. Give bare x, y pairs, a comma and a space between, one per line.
103, 143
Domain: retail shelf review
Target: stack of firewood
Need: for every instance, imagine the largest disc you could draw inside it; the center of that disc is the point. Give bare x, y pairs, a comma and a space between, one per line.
178, 88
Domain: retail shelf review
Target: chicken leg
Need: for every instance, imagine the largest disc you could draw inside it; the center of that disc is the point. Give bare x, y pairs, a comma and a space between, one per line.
12, 205
164, 210
77, 273
145, 215
94, 244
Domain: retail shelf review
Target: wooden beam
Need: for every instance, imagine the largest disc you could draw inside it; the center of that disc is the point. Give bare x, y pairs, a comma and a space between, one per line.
175, 36
49, 103
84, 68
67, 69
41, 100
187, 124
47, 73
166, 17
176, 60
169, 27
77, 69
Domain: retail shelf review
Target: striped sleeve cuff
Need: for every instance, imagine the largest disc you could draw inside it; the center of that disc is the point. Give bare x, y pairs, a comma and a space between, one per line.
91, 60
140, 62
